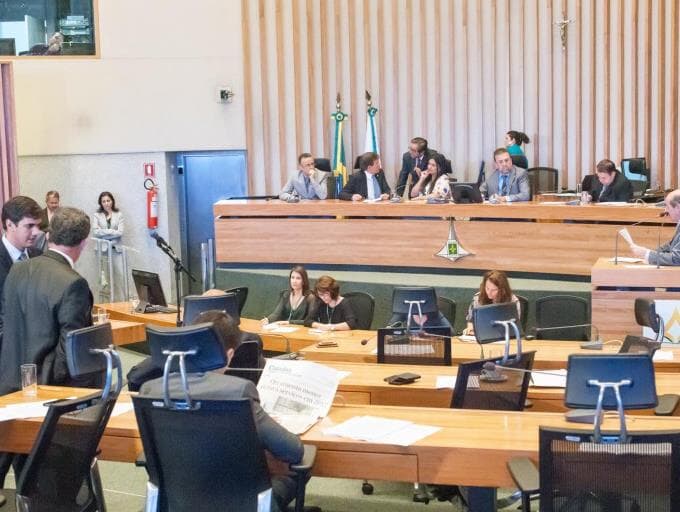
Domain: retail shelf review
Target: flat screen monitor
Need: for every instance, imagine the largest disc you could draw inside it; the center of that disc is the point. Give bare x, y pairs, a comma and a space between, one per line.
149, 289
466, 193
203, 338
484, 318
194, 305
641, 394
424, 294
431, 345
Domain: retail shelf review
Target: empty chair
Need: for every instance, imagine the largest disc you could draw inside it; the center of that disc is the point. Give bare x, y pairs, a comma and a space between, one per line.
408, 301
586, 475
556, 314
194, 305
635, 169
241, 295
432, 346
447, 307
520, 161
363, 306
542, 180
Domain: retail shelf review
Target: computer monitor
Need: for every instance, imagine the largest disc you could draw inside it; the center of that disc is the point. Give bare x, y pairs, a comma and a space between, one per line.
149, 289
194, 305
431, 346
484, 318
425, 295
641, 394
202, 338
466, 193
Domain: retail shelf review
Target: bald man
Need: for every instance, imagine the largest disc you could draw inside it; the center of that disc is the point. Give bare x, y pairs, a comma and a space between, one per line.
666, 254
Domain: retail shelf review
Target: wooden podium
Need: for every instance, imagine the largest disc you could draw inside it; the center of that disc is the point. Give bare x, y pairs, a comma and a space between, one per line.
615, 288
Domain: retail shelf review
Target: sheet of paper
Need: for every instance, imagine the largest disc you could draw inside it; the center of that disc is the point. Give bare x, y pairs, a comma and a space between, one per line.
626, 235
24, 410
121, 408
296, 423
277, 328
639, 266
614, 203
297, 387
549, 380
445, 381
232, 201
466, 337
626, 259
409, 435
342, 374
663, 355
382, 430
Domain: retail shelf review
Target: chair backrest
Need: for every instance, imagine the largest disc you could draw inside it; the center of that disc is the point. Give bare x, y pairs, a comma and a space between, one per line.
215, 443
542, 179
562, 311
447, 307
643, 474
520, 161
524, 311
60, 460
194, 305
481, 176
476, 390
241, 296
432, 346
246, 362
363, 305
323, 164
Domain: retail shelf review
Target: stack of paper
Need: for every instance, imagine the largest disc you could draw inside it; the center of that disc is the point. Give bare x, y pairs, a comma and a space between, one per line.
381, 430
551, 379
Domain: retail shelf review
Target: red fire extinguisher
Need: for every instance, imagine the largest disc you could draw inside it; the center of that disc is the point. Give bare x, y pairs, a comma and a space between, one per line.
151, 204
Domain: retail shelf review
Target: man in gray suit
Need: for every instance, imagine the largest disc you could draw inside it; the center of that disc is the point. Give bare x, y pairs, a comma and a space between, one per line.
45, 298
307, 183
507, 183
279, 442
666, 254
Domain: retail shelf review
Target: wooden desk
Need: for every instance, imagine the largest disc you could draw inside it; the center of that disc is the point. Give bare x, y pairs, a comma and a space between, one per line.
125, 332
365, 385
374, 234
471, 448
615, 288
294, 341
550, 354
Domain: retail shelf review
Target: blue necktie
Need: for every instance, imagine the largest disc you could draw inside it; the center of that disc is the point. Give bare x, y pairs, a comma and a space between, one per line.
504, 184
376, 187
307, 182
23, 257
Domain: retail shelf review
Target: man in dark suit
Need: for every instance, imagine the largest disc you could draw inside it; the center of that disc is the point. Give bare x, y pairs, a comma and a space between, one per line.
45, 298
368, 183
611, 185
414, 161
279, 442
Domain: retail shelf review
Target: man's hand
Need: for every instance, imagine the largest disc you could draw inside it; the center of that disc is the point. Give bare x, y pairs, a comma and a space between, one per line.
357, 197
384, 197
638, 251
309, 172
418, 171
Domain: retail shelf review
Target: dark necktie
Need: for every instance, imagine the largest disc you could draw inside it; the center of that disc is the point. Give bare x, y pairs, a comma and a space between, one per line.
23, 257
504, 184
307, 182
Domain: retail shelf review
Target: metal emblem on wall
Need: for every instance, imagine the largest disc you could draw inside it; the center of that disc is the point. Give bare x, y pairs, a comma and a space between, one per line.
453, 249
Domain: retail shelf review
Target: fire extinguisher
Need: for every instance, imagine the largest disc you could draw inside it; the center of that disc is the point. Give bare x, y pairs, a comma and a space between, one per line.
151, 204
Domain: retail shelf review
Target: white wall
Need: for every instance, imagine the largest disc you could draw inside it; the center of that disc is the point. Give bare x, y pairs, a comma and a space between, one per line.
87, 125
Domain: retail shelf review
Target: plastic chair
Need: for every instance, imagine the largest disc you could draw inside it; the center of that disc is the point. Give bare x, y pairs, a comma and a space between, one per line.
363, 305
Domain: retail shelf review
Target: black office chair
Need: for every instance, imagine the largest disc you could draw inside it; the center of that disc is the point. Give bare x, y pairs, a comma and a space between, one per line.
214, 441
481, 176
637, 166
524, 311
194, 305
363, 305
447, 307
246, 362
589, 182
542, 179
241, 295
555, 313
323, 164
398, 346
520, 161
482, 385
578, 474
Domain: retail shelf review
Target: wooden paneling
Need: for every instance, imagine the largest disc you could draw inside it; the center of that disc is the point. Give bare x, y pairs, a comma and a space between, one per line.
462, 73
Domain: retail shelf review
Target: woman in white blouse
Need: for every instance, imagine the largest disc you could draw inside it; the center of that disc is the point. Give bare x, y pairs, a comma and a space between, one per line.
108, 221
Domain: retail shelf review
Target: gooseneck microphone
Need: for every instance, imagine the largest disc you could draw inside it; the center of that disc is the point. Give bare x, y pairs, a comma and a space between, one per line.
160, 241
490, 372
591, 345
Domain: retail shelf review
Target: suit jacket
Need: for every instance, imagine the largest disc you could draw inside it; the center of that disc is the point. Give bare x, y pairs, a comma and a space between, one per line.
518, 185
408, 163
212, 386
667, 254
43, 299
5, 266
296, 184
618, 190
357, 185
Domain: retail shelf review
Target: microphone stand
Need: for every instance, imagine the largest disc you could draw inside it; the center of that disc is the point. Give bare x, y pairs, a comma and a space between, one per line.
179, 268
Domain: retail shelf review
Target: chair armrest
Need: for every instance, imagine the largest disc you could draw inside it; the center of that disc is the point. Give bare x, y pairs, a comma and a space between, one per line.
524, 474
140, 462
667, 404
307, 462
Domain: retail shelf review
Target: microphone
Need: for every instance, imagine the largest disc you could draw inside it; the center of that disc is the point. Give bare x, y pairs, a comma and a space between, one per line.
589, 345
160, 242
490, 372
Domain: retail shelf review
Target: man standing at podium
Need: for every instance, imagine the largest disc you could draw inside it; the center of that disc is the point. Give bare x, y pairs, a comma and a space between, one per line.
669, 253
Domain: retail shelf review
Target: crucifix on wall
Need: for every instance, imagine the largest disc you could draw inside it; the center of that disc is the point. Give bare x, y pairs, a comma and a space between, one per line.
563, 25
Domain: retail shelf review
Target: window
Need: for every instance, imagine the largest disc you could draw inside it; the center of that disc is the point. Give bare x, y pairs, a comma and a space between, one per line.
47, 27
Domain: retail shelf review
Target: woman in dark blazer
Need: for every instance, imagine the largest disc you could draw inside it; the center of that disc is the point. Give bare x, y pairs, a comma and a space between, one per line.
294, 303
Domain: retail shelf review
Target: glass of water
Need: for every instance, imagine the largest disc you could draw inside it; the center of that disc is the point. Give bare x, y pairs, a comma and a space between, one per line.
134, 302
